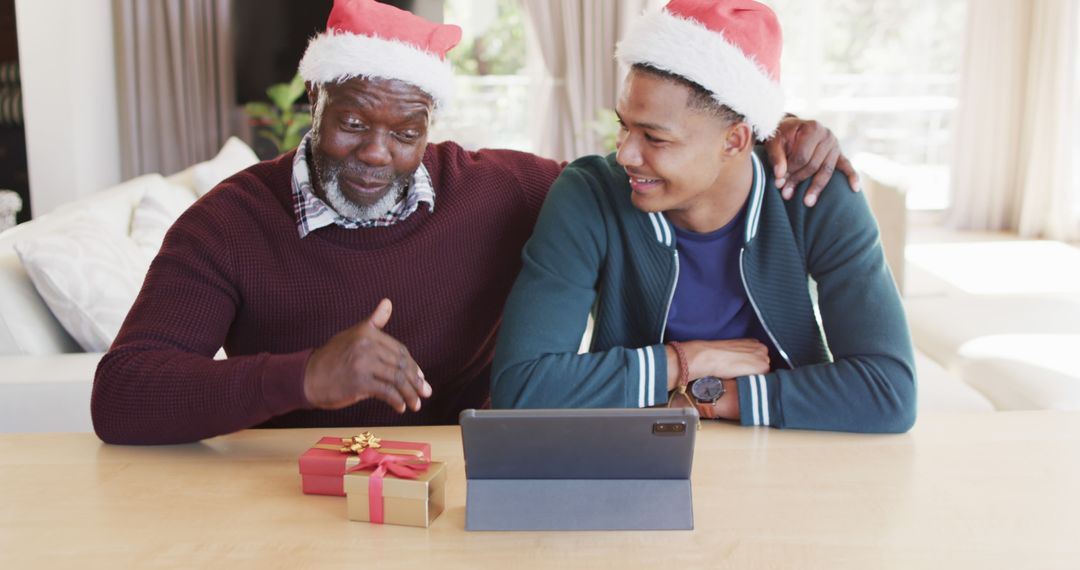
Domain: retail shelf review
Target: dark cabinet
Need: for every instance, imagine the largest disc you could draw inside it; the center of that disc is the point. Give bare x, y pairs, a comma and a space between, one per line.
13, 174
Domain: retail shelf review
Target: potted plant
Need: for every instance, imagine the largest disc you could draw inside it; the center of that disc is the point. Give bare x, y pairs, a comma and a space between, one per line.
281, 124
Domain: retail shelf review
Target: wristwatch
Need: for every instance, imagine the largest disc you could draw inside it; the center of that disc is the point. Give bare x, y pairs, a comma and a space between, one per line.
705, 391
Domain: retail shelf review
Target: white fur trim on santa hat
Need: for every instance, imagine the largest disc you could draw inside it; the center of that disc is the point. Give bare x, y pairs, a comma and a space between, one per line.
336, 57
689, 49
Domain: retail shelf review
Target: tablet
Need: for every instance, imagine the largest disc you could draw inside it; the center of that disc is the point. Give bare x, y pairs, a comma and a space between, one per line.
623, 443
591, 469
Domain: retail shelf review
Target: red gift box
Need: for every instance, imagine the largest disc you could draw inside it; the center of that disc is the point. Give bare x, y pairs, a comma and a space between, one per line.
322, 468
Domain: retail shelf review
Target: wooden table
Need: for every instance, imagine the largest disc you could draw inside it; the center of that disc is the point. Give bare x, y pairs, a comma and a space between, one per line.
978, 490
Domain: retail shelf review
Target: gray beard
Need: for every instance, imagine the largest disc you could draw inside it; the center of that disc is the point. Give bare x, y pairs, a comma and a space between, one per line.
348, 209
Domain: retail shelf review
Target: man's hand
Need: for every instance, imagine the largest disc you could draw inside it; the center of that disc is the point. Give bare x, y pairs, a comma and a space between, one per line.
726, 358
727, 407
801, 149
363, 362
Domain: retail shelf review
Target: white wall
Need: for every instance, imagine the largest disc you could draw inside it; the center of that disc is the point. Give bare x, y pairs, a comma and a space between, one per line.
68, 63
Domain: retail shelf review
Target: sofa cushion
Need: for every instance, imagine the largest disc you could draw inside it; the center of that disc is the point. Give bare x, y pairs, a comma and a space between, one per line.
941, 391
233, 157
1001, 265
941, 326
1024, 372
1017, 350
27, 326
89, 274
156, 213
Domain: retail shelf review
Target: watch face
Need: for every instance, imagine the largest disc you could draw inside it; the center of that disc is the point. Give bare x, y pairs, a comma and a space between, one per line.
707, 389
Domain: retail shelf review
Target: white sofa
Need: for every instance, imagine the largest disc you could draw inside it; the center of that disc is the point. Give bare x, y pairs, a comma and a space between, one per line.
1004, 317
46, 373
994, 318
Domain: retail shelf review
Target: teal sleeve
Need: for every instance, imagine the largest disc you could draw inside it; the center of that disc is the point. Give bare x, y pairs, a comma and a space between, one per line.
537, 364
869, 386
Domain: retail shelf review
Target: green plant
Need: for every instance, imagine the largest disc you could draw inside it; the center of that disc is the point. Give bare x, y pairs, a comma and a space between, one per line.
281, 124
606, 128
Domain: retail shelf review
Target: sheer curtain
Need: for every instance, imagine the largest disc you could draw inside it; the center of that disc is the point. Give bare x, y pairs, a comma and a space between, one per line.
1051, 190
576, 40
176, 82
1016, 122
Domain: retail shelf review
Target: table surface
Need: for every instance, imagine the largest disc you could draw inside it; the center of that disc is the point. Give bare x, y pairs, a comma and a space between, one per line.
964, 490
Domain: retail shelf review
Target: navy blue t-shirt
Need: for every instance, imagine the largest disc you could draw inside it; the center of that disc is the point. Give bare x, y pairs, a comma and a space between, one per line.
710, 302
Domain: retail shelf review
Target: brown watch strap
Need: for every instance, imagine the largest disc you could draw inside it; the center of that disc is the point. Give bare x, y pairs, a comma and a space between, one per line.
705, 410
684, 366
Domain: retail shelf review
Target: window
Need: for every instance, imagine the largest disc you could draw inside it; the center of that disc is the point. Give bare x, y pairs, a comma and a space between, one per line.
883, 75
1075, 158
491, 108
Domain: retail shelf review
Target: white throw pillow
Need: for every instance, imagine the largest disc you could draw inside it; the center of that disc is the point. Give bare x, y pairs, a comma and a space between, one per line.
156, 213
89, 275
112, 206
232, 158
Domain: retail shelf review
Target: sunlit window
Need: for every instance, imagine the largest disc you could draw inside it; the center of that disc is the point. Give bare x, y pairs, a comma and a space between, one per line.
883, 75
1076, 139
492, 104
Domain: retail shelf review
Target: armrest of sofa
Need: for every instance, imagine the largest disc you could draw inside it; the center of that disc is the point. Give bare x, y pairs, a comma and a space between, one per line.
27, 326
47, 393
941, 391
883, 182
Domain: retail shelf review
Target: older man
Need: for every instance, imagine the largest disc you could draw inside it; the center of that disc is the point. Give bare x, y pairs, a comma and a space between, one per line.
291, 265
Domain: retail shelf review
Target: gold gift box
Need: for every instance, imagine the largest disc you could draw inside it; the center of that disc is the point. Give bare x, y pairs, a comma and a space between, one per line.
409, 502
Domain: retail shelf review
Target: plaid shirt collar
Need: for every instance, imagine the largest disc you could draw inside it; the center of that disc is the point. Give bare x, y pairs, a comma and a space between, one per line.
312, 213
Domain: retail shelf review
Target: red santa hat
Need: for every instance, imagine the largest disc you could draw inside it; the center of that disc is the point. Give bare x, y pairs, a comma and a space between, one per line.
730, 47
364, 38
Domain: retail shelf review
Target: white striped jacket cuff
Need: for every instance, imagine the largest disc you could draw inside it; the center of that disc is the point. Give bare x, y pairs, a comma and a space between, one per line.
646, 377
758, 414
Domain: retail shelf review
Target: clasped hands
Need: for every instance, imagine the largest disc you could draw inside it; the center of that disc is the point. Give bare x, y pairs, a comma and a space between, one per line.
725, 359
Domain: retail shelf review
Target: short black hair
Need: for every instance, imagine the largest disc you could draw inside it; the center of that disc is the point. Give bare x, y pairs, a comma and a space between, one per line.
701, 99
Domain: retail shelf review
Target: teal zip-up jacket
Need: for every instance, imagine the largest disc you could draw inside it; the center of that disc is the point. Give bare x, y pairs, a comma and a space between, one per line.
592, 250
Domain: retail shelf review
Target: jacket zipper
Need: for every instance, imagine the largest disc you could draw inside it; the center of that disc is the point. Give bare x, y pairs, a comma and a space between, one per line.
764, 325
671, 297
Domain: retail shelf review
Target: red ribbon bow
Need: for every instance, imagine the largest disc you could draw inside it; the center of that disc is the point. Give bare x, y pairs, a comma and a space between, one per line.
397, 465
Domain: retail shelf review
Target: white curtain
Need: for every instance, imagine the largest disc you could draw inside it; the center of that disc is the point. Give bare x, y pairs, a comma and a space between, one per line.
576, 40
176, 82
1017, 120
1050, 140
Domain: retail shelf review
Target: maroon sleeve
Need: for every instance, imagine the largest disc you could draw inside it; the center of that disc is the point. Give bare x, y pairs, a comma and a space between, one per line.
159, 382
534, 174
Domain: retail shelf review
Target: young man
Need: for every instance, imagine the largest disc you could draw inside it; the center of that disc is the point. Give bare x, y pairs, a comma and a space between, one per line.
703, 283
292, 264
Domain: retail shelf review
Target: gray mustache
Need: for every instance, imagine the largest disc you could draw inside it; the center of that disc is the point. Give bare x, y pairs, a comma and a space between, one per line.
369, 174
360, 171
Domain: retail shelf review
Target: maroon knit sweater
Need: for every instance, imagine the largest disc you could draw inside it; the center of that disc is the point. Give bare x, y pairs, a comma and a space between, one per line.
234, 273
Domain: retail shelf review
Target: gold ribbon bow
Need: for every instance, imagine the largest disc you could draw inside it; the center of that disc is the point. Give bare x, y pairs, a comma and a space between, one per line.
358, 443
